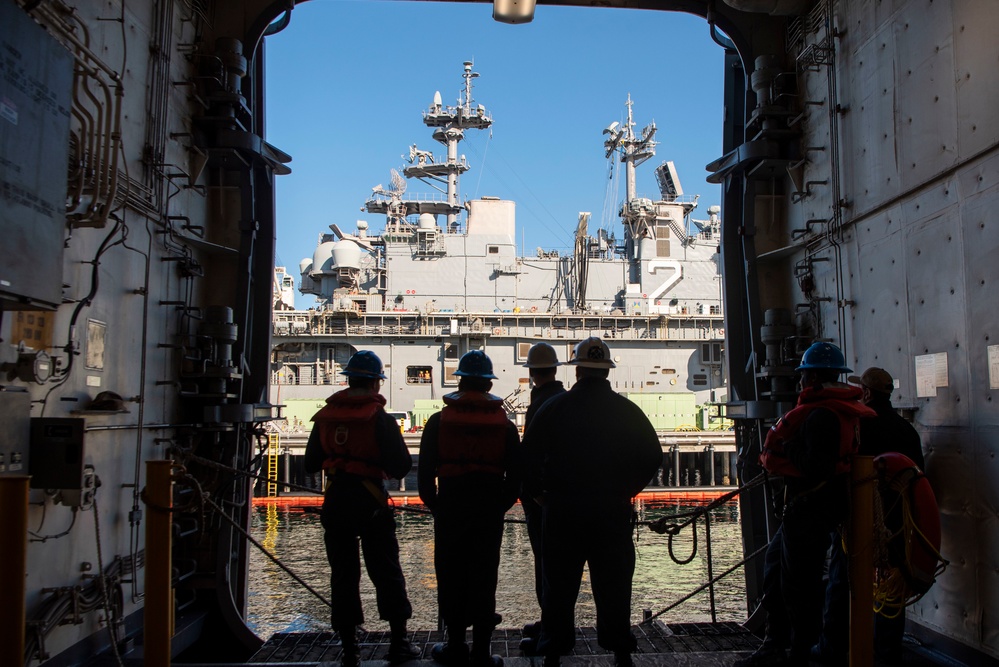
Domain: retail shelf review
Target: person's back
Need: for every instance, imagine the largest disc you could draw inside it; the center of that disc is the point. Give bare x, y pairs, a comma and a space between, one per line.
542, 364
811, 447
468, 477
589, 451
885, 432
593, 440
358, 444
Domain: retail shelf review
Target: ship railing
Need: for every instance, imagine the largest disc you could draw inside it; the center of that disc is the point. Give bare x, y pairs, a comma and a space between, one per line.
671, 526
530, 325
675, 524
410, 197
657, 198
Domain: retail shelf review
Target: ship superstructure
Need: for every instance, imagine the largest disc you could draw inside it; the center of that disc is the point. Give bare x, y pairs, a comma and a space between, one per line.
859, 173
444, 277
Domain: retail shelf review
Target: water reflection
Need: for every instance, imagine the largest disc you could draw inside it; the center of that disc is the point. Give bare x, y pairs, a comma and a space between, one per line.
278, 604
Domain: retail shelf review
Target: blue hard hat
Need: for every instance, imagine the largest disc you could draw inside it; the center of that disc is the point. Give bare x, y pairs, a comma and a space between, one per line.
824, 356
365, 364
475, 364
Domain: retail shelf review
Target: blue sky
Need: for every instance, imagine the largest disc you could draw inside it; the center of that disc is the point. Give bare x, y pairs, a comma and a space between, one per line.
348, 80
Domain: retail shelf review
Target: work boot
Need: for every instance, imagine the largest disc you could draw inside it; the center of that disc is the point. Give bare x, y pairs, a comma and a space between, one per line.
351, 654
401, 650
552, 660
483, 659
532, 630
529, 645
452, 654
765, 656
826, 656
623, 659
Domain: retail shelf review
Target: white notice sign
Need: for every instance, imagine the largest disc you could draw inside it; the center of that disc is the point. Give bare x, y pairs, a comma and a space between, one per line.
993, 351
931, 372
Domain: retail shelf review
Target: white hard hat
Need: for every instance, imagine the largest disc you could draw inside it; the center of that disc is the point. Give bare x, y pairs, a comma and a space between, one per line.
541, 355
592, 353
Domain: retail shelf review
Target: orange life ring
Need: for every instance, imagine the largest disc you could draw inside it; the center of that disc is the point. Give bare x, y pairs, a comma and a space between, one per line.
916, 549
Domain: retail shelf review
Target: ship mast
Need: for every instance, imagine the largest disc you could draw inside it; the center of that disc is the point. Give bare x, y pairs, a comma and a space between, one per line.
634, 151
451, 123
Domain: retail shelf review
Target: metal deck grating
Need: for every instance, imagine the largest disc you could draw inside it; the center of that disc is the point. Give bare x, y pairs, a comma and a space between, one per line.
315, 647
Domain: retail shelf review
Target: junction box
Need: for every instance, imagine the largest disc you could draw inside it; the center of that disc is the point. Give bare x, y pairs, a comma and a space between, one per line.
57, 453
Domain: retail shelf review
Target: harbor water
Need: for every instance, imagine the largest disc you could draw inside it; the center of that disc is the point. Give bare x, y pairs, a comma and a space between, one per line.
294, 535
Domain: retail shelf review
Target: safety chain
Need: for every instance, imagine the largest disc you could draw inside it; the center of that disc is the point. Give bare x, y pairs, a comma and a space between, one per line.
667, 526
661, 526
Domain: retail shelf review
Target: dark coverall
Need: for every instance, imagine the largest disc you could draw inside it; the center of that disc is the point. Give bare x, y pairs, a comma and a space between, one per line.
887, 432
355, 507
532, 510
589, 452
794, 560
468, 530
818, 502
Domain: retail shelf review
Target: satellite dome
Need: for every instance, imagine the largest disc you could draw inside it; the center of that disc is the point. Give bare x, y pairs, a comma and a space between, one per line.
428, 221
346, 255
322, 258
305, 265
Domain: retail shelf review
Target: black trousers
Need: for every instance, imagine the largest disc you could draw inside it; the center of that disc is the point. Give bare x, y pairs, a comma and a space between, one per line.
351, 515
600, 536
467, 538
835, 641
533, 515
794, 565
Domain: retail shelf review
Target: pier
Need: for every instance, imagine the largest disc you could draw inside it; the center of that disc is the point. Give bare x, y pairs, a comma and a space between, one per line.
701, 460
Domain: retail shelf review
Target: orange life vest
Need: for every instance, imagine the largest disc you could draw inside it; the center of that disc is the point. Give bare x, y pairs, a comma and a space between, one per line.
347, 433
841, 400
472, 435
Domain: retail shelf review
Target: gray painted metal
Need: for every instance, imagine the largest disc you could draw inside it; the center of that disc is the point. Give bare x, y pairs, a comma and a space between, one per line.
34, 144
869, 217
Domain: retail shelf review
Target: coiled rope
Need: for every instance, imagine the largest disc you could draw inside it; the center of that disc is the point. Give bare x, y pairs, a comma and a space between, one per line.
892, 590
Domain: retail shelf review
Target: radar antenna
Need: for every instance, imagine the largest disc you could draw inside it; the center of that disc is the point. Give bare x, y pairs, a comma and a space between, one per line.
398, 187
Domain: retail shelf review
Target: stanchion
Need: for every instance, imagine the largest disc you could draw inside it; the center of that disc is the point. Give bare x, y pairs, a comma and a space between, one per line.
158, 611
13, 564
862, 562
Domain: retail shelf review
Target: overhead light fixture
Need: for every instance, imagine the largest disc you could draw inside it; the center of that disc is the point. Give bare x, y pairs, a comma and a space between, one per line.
513, 11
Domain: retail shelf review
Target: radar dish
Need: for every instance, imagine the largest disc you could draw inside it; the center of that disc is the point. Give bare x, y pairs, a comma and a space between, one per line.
395, 192
398, 183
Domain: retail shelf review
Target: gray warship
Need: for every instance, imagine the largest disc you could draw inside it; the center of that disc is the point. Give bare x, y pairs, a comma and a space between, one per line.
444, 277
